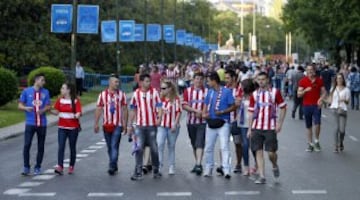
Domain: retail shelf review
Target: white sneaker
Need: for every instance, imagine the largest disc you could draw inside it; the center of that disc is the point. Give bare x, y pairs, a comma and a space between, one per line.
208, 173
171, 170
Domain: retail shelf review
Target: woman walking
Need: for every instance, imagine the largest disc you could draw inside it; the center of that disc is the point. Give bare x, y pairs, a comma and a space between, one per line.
169, 127
68, 108
339, 99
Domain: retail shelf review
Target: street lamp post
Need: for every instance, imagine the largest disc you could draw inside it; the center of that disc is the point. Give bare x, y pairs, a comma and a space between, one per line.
162, 32
175, 50
268, 38
145, 27
73, 40
118, 66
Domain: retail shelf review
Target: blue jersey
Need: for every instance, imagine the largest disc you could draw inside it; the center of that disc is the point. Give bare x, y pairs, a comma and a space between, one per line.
220, 102
38, 100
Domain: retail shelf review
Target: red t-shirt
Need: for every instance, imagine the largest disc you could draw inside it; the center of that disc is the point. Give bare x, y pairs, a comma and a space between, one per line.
311, 97
67, 118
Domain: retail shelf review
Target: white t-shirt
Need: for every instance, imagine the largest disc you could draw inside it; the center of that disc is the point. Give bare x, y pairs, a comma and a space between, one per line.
243, 123
344, 94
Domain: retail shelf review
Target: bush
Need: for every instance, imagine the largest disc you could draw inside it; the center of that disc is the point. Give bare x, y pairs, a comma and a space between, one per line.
128, 71
89, 70
8, 86
54, 79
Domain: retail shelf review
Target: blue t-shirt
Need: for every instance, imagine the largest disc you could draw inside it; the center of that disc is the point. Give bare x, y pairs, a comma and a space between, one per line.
226, 100
38, 100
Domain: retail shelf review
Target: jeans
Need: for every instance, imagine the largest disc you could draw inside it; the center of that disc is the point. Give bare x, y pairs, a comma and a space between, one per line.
113, 143
245, 145
164, 134
63, 134
28, 136
210, 140
355, 100
298, 103
340, 121
146, 135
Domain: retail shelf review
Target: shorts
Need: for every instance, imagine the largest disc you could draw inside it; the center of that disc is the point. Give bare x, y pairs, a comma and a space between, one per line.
312, 115
197, 135
236, 133
259, 138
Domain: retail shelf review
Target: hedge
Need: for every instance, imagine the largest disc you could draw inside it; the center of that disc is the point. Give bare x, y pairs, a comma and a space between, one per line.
54, 78
8, 86
128, 70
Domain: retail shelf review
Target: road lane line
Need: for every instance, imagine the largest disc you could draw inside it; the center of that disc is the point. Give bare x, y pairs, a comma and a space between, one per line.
105, 194
95, 147
88, 151
68, 160
44, 194
353, 138
309, 192
325, 116
101, 143
43, 177
49, 171
233, 193
174, 194
16, 191
81, 155
30, 184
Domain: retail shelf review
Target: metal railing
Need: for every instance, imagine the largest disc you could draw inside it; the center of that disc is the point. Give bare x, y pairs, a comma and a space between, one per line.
100, 81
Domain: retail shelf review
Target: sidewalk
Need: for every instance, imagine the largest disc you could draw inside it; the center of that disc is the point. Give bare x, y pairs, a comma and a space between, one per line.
18, 129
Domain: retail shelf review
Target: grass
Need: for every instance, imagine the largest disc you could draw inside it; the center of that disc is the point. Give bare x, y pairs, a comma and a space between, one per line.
10, 115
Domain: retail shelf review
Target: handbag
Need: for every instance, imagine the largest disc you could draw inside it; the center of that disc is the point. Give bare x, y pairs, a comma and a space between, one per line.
109, 128
215, 123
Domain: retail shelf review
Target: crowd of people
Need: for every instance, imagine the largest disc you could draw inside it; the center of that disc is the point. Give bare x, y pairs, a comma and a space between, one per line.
244, 101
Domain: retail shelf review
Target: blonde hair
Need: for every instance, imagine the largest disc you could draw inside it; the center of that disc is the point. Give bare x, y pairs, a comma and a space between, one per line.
173, 93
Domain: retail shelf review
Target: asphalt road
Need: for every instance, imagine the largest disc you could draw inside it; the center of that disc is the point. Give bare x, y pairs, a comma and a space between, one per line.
318, 176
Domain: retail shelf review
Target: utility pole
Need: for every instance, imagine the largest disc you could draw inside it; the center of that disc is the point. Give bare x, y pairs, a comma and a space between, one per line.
162, 32
118, 65
73, 40
175, 53
145, 28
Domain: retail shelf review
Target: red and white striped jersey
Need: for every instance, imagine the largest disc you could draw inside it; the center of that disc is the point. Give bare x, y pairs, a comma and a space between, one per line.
66, 114
112, 104
195, 99
236, 92
172, 75
264, 105
145, 104
171, 110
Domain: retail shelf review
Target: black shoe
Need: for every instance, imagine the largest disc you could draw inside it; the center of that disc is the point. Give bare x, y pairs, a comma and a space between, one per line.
193, 169
227, 176
136, 177
112, 171
198, 170
157, 174
220, 171
293, 115
301, 118
145, 170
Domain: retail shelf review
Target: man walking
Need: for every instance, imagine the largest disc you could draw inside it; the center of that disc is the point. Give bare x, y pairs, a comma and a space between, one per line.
295, 78
193, 103
79, 76
312, 89
264, 127
144, 104
220, 103
35, 101
112, 104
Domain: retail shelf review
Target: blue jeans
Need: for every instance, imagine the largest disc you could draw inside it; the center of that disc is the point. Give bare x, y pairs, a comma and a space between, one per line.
63, 134
164, 134
245, 145
210, 140
28, 136
355, 100
146, 135
113, 143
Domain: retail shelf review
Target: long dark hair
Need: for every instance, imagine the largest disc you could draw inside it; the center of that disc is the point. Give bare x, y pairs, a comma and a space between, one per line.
73, 94
335, 82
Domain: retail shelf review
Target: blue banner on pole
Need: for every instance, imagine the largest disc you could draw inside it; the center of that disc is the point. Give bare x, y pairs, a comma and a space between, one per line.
61, 18
139, 32
180, 37
169, 33
153, 32
213, 47
189, 39
196, 41
108, 31
127, 30
88, 19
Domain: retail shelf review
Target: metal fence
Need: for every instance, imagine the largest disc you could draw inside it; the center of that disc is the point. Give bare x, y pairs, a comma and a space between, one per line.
100, 81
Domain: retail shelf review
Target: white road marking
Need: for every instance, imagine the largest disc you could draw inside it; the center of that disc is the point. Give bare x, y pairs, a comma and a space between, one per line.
16, 191
68, 160
88, 151
325, 116
95, 147
44, 194
105, 194
82, 155
103, 140
101, 143
43, 177
309, 192
30, 184
353, 138
242, 193
49, 171
173, 194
